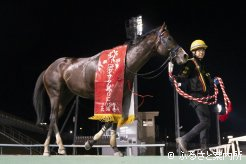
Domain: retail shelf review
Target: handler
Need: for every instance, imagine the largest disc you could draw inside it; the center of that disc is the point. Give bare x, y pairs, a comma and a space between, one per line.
198, 83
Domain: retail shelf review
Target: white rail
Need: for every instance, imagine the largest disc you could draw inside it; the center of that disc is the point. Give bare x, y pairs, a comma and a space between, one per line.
128, 146
235, 142
233, 145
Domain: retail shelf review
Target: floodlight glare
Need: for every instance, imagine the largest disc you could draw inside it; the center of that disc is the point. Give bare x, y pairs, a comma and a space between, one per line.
139, 25
219, 108
134, 27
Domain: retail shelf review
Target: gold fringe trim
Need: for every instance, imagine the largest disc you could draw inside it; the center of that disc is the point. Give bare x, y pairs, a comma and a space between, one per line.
116, 118
127, 120
107, 117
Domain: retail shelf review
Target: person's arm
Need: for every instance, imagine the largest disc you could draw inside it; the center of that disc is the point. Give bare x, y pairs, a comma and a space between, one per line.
185, 72
208, 76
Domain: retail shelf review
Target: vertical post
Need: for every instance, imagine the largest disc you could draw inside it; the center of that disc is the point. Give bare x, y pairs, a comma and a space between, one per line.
75, 124
177, 124
218, 128
129, 151
30, 150
135, 89
218, 109
98, 128
162, 151
134, 28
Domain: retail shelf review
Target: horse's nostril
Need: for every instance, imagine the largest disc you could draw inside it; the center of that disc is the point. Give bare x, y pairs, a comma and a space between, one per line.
186, 56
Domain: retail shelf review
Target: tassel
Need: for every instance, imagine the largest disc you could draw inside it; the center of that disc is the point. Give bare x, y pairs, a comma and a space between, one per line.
224, 117
229, 107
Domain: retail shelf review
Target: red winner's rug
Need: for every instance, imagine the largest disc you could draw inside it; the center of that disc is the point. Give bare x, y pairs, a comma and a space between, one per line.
109, 83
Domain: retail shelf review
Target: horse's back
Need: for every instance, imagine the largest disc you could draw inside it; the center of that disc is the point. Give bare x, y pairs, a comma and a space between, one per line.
62, 65
77, 74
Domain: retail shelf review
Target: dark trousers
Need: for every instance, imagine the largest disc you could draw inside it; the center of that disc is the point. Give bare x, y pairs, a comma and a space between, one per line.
202, 127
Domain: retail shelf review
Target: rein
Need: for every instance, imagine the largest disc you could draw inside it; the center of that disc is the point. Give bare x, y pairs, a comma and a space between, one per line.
209, 100
164, 65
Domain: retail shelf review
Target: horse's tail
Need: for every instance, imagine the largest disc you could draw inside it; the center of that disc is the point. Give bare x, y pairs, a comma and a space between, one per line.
39, 99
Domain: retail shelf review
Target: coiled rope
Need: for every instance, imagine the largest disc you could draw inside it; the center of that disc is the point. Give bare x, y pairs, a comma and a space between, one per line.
209, 100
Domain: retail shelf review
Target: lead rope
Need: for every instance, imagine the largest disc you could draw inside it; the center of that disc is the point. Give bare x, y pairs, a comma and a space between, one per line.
209, 100
135, 93
227, 101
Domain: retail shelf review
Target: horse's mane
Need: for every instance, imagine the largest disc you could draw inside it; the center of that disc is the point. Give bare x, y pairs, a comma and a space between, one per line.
131, 43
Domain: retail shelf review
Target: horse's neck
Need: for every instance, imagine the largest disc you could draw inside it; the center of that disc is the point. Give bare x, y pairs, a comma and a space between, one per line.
138, 55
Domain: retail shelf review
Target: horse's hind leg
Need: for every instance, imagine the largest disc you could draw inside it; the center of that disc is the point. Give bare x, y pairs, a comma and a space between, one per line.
96, 137
53, 126
60, 104
47, 142
113, 142
61, 148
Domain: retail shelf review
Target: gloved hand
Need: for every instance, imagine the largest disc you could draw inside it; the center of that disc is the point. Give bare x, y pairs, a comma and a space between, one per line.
216, 81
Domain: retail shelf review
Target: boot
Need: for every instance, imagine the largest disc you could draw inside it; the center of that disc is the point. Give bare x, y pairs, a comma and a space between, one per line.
182, 144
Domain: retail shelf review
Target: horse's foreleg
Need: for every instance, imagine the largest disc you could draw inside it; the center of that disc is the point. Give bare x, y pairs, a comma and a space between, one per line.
61, 148
96, 137
113, 142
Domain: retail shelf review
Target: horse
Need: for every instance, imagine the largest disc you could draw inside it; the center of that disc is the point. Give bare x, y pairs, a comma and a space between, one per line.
67, 77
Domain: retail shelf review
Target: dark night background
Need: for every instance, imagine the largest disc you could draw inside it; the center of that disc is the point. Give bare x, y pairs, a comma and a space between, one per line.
35, 33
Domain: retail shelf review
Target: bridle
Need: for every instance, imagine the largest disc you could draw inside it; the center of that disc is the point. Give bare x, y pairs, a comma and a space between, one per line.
172, 54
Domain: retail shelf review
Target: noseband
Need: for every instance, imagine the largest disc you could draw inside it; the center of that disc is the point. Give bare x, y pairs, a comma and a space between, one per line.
165, 42
172, 53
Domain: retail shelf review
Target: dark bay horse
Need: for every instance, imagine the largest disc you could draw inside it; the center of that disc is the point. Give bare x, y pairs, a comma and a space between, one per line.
67, 77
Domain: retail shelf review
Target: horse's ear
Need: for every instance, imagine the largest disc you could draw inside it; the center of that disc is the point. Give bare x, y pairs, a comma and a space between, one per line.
163, 27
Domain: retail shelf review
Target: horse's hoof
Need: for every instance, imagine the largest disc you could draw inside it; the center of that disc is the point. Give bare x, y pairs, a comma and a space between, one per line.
118, 154
46, 154
87, 145
62, 151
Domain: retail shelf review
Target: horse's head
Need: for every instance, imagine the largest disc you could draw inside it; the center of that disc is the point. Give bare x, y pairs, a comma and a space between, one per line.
165, 45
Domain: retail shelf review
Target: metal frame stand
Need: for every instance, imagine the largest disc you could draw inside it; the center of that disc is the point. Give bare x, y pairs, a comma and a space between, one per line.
177, 124
218, 129
75, 120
